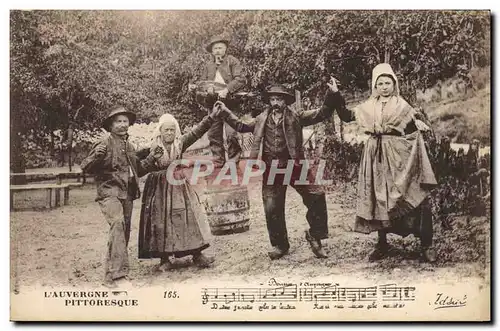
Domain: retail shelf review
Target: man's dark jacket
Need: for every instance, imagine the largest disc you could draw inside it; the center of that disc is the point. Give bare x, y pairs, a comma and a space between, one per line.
111, 170
230, 69
293, 122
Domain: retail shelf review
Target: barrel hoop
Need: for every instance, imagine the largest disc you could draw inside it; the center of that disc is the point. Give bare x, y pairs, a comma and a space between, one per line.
209, 192
227, 212
221, 232
222, 225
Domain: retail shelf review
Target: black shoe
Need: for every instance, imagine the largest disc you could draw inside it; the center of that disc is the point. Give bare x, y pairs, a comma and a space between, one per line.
316, 246
380, 252
165, 266
202, 261
109, 283
277, 253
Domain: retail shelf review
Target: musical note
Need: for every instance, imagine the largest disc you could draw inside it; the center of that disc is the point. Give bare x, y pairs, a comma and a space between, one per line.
408, 295
352, 295
391, 292
251, 297
370, 294
231, 297
343, 294
306, 294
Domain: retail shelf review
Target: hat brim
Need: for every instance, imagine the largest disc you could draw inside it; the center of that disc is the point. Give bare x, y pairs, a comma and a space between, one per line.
289, 99
107, 122
209, 46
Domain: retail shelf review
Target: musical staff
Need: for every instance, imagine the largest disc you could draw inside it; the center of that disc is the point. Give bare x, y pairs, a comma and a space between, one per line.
228, 295
336, 293
392, 292
314, 293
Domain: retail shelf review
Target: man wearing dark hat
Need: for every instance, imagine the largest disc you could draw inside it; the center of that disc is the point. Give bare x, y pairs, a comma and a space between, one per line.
226, 70
116, 168
223, 68
278, 139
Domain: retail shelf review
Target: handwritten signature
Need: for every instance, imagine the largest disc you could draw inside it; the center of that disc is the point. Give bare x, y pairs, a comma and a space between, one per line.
448, 301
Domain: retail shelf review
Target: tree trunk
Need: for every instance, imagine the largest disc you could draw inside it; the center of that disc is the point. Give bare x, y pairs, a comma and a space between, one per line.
343, 160
298, 101
71, 123
17, 162
387, 56
52, 150
70, 146
386, 38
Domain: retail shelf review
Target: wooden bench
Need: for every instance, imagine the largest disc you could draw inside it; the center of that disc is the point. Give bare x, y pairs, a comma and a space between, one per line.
59, 176
49, 188
66, 190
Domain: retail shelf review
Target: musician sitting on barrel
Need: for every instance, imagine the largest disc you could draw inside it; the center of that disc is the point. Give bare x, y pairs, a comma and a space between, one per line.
226, 73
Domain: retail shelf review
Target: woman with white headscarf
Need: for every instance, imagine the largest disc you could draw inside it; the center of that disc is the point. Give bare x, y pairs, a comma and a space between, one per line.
395, 175
173, 222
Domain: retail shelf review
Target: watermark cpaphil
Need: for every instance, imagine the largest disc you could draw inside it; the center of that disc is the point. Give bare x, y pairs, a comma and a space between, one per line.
230, 174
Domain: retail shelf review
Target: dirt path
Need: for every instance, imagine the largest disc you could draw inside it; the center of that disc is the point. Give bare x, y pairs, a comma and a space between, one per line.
65, 246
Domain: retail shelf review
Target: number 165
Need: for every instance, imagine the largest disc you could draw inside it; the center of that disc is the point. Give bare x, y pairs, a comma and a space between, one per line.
170, 295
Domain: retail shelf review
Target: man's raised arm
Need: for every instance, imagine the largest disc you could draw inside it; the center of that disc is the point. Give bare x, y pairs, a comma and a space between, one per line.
234, 121
333, 100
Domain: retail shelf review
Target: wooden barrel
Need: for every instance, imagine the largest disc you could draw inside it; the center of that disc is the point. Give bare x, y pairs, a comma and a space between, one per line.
227, 210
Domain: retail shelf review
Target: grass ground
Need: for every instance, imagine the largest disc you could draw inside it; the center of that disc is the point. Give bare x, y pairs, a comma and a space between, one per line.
462, 118
65, 246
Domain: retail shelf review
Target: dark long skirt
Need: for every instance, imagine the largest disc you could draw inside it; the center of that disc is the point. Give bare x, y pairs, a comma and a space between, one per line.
417, 222
173, 221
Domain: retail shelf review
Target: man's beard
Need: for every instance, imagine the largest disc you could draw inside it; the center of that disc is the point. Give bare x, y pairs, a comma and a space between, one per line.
277, 107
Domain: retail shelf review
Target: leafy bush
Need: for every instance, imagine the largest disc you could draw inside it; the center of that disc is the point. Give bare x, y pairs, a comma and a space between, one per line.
37, 151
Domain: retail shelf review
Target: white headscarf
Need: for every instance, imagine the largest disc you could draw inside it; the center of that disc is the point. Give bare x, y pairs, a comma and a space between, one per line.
175, 148
397, 112
381, 69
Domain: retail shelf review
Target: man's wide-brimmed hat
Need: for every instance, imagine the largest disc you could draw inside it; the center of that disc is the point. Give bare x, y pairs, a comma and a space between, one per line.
118, 111
278, 89
216, 39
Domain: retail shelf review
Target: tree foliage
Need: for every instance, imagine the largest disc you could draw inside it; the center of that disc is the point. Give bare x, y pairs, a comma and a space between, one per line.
68, 67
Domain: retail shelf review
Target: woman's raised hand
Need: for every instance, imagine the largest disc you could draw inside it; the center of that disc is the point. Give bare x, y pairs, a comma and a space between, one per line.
157, 152
100, 150
218, 109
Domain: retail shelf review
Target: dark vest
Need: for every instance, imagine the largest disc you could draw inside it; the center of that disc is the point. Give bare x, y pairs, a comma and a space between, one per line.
274, 145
